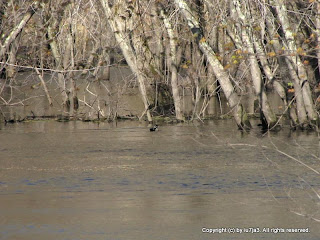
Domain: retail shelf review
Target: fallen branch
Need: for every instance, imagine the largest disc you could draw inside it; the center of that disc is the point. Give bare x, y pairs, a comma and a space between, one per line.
44, 87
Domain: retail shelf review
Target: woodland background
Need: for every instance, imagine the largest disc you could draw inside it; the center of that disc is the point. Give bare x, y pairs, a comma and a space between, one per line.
212, 48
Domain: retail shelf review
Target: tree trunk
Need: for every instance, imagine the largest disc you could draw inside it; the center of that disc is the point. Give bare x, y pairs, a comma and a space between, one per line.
12, 59
318, 33
256, 75
69, 64
91, 57
118, 27
268, 72
58, 62
301, 117
226, 85
295, 60
173, 37
14, 33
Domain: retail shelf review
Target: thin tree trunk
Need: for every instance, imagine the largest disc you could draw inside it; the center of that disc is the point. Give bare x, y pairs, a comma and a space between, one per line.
44, 86
14, 33
173, 37
214, 36
301, 118
91, 57
62, 62
226, 85
11, 69
71, 65
254, 68
58, 61
295, 60
118, 27
268, 72
40, 75
318, 32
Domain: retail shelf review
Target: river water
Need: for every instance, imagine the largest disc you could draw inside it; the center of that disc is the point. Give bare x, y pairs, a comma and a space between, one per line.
81, 180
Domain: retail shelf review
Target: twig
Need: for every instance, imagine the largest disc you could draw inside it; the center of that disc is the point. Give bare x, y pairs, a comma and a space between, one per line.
293, 158
44, 87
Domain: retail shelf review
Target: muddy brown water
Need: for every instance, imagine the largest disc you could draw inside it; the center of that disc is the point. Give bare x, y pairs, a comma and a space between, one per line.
120, 181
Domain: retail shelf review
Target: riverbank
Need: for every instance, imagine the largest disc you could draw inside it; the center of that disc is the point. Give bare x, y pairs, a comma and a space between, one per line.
115, 99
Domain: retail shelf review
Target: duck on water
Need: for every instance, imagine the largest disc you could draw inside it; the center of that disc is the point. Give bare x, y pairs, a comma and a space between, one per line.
154, 128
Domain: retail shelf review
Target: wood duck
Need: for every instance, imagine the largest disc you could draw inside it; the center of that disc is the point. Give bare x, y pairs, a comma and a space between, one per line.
154, 128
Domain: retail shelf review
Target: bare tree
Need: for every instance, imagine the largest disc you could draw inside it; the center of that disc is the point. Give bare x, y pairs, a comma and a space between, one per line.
296, 67
234, 46
118, 24
173, 39
17, 29
222, 76
248, 46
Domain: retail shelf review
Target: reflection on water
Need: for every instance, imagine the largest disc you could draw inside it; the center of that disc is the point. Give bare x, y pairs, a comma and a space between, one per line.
120, 181
103, 99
